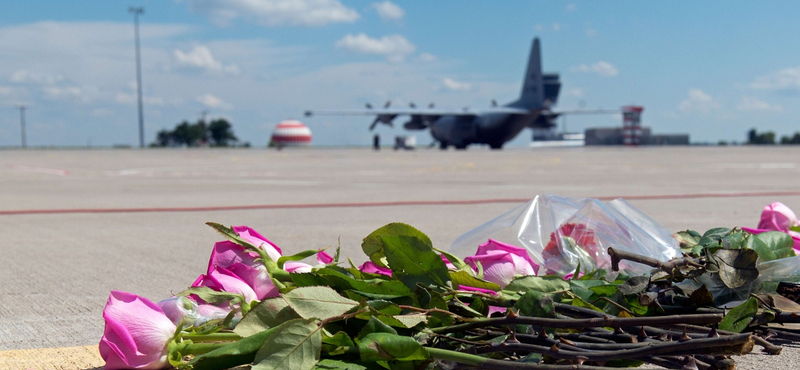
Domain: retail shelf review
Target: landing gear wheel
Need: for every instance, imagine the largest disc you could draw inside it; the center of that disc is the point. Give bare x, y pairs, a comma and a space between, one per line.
496, 146
461, 147
443, 145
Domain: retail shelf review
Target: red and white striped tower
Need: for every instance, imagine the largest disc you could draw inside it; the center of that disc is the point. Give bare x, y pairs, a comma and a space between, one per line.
631, 126
291, 133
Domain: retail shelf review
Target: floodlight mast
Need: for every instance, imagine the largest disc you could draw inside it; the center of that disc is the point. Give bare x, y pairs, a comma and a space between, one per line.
22, 108
136, 12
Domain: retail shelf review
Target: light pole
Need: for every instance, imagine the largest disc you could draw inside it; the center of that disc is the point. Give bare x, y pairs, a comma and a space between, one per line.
22, 124
136, 12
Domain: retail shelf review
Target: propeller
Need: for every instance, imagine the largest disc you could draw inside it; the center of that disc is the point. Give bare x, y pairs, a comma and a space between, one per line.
368, 105
412, 105
374, 123
494, 103
388, 104
431, 105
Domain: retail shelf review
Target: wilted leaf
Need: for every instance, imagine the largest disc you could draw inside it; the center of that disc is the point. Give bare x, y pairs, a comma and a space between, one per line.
413, 261
269, 313
701, 297
737, 267
295, 345
771, 245
544, 284
634, 285
687, 239
373, 245
387, 347
740, 316
318, 302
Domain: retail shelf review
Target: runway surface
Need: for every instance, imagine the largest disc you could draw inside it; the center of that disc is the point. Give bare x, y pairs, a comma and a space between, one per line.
76, 224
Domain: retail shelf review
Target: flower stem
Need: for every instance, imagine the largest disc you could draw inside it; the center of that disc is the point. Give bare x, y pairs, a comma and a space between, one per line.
213, 337
488, 363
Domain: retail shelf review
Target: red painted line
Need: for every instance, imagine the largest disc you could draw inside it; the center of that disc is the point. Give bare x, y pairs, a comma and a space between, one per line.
381, 204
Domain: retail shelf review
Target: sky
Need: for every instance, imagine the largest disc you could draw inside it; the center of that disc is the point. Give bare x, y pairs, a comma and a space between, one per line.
712, 69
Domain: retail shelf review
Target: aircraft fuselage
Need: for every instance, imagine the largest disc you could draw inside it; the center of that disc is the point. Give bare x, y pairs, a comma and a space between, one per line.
494, 129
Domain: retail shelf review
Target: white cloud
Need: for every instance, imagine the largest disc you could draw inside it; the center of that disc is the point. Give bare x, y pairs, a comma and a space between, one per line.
63, 92
454, 85
5, 90
395, 47
427, 57
271, 13
200, 57
572, 7
556, 27
24, 76
591, 32
538, 27
787, 78
389, 10
212, 101
749, 103
602, 68
698, 102
576, 92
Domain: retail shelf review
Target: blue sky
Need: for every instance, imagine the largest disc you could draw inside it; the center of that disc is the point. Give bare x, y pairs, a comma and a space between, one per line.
712, 69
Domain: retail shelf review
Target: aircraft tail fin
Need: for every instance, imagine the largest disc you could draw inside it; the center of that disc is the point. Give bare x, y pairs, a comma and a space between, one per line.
532, 95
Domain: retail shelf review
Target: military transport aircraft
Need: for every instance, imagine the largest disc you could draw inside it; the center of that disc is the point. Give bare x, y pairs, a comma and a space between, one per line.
493, 126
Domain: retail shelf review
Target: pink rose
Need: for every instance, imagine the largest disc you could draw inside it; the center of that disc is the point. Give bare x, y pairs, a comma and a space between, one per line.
301, 267
136, 334
224, 280
777, 217
235, 259
502, 262
179, 309
254, 238
371, 268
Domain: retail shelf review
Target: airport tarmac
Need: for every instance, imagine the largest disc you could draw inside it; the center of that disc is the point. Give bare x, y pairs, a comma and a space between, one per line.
76, 224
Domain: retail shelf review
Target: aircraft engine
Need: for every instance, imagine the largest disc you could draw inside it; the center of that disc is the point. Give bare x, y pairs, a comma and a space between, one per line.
417, 122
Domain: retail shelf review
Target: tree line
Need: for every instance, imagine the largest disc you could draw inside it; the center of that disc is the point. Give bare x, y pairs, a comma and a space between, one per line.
768, 138
217, 133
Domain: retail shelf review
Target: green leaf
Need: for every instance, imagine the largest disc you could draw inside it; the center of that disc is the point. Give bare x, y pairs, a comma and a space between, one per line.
771, 245
237, 353
340, 279
544, 284
465, 279
737, 267
328, 364
318, 302
387, 347
411, 320
375, 326
295, 345
413, 261
373, 245
457, 262
212, 296
269, 313
340, 339
535, 304
297, 257
717, 233
740, 316
795, 228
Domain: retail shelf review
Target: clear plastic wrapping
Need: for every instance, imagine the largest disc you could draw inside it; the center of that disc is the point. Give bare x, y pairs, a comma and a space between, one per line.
560, 233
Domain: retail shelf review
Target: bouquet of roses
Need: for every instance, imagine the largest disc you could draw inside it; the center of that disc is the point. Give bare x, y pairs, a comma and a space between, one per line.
412, 306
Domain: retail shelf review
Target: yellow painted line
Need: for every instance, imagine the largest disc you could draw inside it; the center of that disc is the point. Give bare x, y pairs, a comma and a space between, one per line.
65, 358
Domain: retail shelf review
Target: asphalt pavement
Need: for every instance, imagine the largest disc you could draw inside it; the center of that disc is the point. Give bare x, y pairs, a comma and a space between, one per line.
75, 224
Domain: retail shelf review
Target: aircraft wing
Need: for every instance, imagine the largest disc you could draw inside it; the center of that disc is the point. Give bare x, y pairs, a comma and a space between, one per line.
414, 112
583, 111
